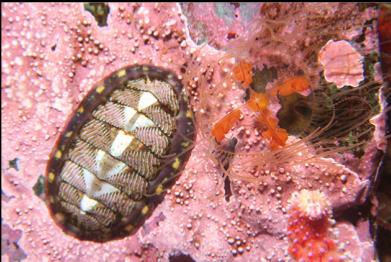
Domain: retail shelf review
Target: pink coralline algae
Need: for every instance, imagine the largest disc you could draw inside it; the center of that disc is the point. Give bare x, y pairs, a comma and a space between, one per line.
228, 204
343, 64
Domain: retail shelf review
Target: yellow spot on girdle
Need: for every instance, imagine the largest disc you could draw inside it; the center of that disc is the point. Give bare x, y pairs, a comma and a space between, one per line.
68, 134
51, 177
185, 144
159, 189
145, 210
80, 110
121, 73
129, 228
100, 89
176, 163
58, 154
189, 114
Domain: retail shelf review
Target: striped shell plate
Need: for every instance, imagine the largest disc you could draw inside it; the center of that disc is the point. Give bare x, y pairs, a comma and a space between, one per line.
125, 144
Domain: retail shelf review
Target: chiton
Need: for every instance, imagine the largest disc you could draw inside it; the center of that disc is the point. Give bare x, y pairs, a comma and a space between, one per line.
124, 145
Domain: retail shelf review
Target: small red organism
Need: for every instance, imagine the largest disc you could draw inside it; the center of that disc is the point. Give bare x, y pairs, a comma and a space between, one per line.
309, 228
277, 136
293, 84
243, 73
225, 124
231, 35
258, 103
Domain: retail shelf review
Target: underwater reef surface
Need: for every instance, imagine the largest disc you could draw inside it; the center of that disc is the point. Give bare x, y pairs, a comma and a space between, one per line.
289, 105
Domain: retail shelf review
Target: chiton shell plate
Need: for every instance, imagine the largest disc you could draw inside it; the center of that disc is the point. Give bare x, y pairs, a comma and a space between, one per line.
122, 147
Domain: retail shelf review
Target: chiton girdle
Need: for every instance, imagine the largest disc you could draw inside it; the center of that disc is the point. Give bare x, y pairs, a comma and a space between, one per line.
123, 146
